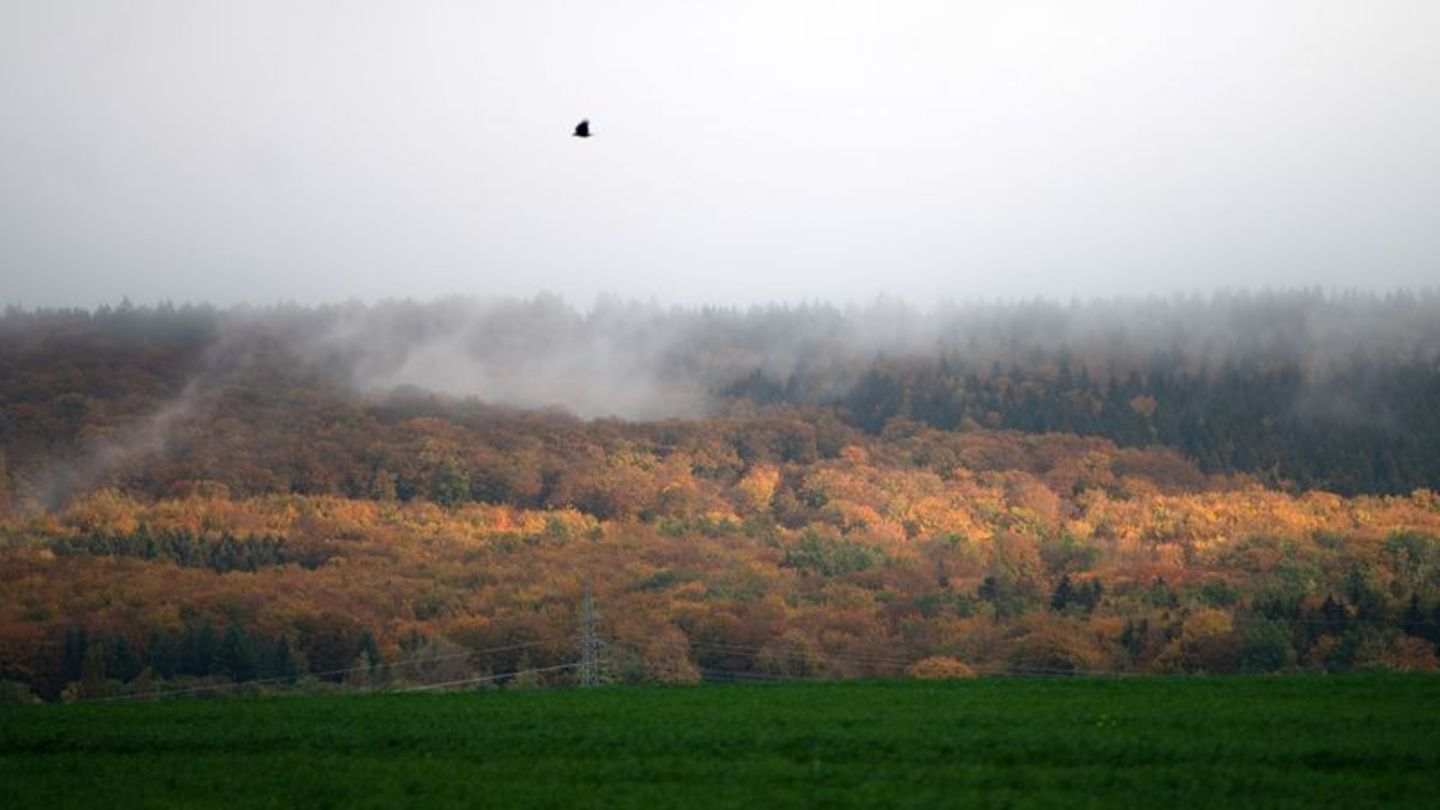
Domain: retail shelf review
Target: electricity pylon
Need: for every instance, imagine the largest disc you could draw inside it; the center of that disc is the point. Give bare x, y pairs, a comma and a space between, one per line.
591, 645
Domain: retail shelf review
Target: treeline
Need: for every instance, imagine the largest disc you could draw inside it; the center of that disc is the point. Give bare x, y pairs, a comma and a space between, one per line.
361, 493
223, 554
197, 656
1369, 426
868, 564
1305, 389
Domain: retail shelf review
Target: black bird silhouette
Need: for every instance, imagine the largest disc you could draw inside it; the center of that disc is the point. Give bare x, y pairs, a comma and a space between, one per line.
582, 129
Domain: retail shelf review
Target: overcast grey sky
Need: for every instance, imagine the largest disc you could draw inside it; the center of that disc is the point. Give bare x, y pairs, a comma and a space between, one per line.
744, 151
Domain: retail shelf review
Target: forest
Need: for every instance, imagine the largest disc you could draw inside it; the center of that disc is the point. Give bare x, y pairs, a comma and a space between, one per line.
407, 493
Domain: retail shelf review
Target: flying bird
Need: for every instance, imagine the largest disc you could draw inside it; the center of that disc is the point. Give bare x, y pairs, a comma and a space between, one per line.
582, 129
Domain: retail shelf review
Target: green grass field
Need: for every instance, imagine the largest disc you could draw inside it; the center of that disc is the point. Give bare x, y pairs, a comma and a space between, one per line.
1342, 742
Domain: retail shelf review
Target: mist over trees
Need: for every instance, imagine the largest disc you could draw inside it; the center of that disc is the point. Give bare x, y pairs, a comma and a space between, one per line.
388, 494
1300, 389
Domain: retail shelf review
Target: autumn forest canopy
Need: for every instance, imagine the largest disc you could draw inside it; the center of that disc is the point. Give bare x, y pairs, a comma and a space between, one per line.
408, 491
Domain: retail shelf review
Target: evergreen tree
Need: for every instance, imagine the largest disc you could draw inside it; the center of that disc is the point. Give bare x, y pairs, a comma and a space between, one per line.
1413, 622
452, 484
369, 650
197, 650
1088, 595
237, 657
162, 654
72, 658
278, 663
1062, 595
1132, 638
1333, 616
121, 662
92, 672
1265, 645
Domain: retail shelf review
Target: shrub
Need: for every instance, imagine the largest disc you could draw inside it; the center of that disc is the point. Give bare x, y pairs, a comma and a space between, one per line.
940, 667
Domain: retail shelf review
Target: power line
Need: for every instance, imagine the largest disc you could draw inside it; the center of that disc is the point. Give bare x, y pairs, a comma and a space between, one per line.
388, 666
819, 657
592, 649
488, 678
781, 652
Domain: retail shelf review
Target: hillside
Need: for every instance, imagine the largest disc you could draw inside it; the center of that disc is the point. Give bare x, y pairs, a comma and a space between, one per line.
1301, 390
193, 496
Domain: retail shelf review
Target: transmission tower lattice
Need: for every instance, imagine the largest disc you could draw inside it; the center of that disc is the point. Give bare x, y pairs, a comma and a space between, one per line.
592, 647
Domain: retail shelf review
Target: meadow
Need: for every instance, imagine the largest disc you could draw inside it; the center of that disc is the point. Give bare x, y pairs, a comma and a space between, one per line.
1307, 741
